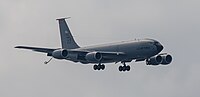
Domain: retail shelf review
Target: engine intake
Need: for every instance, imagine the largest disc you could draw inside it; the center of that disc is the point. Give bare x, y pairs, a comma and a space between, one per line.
167, 59
155, 60
93, 57
60, 54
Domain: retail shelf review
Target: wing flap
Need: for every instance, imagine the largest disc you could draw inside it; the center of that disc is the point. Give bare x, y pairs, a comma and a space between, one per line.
112, 55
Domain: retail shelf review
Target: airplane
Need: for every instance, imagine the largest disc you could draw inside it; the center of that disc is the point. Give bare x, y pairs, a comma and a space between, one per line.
147, 50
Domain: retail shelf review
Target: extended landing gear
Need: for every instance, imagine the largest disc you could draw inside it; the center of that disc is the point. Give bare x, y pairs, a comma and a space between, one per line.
124, 67
99, 67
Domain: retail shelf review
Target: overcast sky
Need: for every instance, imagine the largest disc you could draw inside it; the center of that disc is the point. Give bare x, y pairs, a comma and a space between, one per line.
175, 23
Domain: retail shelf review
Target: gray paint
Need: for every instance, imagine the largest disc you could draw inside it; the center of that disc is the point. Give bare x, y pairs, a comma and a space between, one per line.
67, 39
114, 52
130, 48
32, 22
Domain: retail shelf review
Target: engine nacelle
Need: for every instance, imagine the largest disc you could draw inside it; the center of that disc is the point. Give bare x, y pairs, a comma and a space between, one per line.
155, 60
166, 59
60, 54
93, 57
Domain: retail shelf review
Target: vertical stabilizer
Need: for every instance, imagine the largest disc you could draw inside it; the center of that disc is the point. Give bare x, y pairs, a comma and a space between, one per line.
67, 39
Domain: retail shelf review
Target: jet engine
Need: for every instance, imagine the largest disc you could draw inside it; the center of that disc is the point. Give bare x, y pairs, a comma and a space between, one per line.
93, 57
166, 59
60, 54
155, 60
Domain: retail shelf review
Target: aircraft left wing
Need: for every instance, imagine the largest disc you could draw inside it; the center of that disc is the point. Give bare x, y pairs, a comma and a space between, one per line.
111, 54
50, 50
105, 55
37, 49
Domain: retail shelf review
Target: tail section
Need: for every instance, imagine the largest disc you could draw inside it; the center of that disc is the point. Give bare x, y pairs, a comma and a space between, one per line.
67, 39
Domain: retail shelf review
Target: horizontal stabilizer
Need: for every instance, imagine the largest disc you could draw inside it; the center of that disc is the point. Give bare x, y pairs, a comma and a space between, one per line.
63, 18
37, 49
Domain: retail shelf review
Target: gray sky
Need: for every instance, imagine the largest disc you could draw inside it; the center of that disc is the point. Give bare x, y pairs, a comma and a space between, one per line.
175, 23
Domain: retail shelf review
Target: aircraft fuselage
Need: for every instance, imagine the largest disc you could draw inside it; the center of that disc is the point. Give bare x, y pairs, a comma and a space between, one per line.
134, 49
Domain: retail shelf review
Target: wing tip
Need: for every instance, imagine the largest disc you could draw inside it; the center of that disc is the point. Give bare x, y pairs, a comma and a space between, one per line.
23, 47
18, 47
63, 18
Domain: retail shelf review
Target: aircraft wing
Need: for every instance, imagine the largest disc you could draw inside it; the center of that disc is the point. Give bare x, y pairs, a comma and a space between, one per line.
106, 55
49, 50
111, 54
37, 49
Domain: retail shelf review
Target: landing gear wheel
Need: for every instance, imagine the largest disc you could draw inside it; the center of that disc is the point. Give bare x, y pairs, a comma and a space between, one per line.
124, 68
95, 67
102, 66
98, 67
120, 68
128, 68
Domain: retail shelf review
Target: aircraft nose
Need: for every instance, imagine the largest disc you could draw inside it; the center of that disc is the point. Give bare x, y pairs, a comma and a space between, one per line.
159, 47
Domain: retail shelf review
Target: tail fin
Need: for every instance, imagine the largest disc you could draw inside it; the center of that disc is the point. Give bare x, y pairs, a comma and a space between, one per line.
67, 39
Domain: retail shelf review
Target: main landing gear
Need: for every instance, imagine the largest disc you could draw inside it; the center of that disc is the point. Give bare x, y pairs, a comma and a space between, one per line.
124, 67
99, 67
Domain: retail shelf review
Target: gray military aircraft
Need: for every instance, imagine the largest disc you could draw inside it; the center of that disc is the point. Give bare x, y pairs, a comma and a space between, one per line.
139, 50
